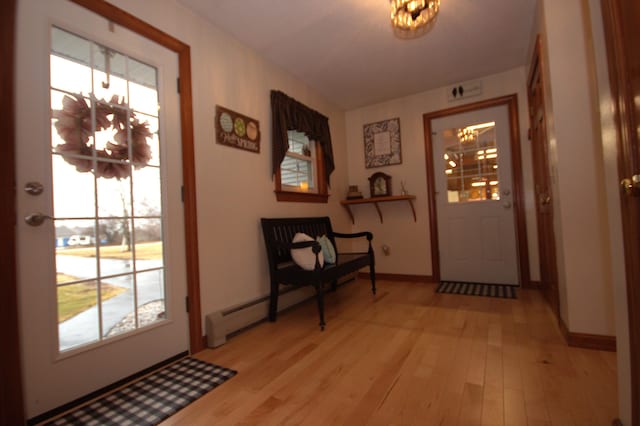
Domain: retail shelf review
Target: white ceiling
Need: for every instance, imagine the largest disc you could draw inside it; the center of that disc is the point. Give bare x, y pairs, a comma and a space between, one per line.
347, 51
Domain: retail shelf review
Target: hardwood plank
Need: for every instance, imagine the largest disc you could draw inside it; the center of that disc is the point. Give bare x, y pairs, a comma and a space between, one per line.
412, 357
515, 413
492, 405
471, 411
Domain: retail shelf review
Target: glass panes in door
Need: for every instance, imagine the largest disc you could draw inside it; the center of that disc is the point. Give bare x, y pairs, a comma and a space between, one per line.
471, 163
107, 193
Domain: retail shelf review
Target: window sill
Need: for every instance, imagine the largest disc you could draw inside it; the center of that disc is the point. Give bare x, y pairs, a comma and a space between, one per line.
301, 197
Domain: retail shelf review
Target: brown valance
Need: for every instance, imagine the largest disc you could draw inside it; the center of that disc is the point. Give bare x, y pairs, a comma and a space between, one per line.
289, 114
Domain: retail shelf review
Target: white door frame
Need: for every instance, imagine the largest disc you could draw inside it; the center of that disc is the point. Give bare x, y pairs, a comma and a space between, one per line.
511, 101
135, 24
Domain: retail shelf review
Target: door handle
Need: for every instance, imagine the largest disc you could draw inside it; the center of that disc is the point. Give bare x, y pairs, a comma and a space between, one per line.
36, 219
631, 186
545, 200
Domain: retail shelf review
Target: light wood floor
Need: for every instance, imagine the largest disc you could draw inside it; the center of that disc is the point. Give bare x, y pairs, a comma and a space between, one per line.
409, 356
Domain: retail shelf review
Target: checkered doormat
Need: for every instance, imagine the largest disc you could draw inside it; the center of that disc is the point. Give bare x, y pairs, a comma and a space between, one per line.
478, 289
151, 399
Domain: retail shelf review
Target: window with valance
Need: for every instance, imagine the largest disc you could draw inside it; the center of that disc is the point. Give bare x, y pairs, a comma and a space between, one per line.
302, 153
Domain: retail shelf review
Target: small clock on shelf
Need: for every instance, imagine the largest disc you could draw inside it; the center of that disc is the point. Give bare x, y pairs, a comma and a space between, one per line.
380, 184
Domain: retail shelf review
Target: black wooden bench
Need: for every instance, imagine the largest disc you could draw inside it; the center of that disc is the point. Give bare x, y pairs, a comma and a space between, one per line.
278, 237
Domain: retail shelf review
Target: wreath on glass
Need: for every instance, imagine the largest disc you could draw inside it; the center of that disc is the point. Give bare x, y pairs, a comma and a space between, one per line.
73, 124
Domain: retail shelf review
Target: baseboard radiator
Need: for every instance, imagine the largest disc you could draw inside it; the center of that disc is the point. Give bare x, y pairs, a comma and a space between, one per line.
221, 324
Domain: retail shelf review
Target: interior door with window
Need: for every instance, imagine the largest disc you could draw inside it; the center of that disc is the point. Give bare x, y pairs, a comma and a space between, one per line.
101, 260
474, 200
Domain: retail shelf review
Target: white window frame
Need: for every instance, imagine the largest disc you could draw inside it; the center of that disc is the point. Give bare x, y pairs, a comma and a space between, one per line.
311, 187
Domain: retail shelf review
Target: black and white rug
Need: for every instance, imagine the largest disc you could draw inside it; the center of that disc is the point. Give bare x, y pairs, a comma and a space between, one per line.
152, 399
478, 289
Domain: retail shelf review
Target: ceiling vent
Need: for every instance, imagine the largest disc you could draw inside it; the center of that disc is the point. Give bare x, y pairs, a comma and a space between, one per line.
458, 92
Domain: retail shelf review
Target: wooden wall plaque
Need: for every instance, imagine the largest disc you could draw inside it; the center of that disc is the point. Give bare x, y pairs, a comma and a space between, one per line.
237, 130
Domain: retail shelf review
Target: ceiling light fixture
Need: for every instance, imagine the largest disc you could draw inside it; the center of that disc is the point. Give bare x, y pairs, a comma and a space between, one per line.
467, 135
411, 18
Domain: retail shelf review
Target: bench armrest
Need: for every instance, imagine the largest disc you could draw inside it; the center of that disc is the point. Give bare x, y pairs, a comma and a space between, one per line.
367, 234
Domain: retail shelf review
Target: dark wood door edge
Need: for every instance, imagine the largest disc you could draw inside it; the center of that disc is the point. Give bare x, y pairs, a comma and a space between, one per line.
544, 221
11, 399
620, 18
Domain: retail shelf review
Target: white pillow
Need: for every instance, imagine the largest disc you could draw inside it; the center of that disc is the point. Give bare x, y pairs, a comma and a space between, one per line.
305, 257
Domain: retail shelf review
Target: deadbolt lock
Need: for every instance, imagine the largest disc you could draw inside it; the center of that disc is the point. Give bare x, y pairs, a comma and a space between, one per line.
33, 188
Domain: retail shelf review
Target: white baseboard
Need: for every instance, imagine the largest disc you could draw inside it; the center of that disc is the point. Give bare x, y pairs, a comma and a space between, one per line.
220, 324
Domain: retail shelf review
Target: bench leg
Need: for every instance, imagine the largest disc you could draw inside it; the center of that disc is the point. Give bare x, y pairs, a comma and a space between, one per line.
372, 275
273, 302
320, 300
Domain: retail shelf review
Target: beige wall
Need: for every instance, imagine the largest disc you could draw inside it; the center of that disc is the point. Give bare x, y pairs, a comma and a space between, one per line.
581, 220
234, 187
410, 241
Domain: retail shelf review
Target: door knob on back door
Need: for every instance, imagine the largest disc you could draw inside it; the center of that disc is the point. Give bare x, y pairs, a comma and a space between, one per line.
631, 186
545, 199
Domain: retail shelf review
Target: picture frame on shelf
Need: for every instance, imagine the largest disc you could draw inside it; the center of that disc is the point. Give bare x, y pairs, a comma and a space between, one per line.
382, 144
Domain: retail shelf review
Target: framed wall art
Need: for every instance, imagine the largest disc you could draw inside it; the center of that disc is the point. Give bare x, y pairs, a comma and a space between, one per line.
382, 143
237, 130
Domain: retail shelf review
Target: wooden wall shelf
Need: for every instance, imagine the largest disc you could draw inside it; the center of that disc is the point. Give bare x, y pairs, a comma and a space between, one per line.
375, 201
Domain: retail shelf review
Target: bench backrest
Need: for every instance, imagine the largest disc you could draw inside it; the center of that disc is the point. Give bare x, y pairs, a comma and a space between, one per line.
282, 230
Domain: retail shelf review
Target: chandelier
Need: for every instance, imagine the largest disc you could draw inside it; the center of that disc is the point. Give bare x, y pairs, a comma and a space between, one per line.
413, 17
466, 135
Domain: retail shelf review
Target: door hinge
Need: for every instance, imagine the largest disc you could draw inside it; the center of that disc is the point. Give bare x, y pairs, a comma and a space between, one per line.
182, 193
529, 133
186, 303
178, 84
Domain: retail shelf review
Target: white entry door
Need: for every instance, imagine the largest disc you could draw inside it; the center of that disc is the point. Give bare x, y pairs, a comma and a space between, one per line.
101, 252
472, 165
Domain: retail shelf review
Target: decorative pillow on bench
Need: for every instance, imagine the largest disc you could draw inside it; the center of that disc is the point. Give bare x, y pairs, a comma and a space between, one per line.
305, 257
328, 251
